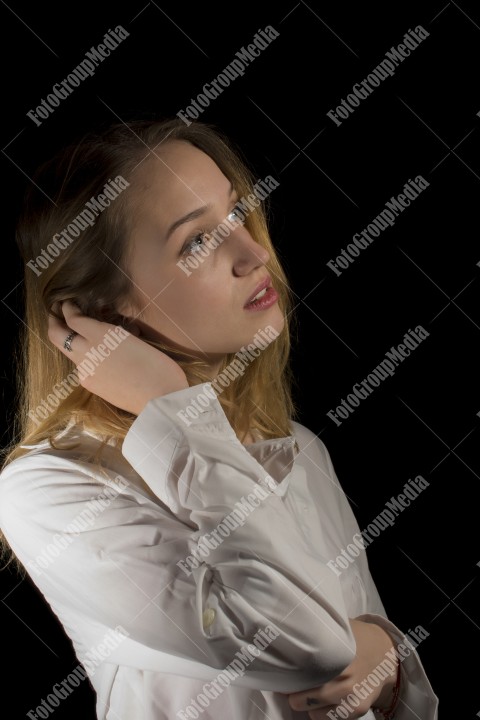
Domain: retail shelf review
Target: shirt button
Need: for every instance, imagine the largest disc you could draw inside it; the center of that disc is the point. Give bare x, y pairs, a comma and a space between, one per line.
208, 617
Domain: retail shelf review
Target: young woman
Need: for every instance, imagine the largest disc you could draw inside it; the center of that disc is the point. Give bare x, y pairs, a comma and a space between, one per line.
181, 525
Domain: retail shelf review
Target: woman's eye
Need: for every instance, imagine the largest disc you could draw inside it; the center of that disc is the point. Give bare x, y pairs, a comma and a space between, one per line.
191, 246
235, 215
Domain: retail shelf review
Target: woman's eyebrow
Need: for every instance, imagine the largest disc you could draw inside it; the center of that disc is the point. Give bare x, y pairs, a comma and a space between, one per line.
193, 215
187, 218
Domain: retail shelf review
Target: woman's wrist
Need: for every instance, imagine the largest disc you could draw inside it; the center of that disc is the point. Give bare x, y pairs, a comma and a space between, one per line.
387, 701
386, 709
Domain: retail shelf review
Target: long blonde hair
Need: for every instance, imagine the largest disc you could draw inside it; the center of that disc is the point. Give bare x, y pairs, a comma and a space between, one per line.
96, 281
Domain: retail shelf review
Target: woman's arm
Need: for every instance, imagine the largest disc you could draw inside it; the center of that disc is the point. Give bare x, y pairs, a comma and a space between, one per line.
416, 698
128, 568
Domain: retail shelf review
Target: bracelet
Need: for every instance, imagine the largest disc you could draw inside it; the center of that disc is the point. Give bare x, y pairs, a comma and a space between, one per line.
388, 714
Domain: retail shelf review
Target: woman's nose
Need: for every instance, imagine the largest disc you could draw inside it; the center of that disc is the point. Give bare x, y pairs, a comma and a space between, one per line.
248, 254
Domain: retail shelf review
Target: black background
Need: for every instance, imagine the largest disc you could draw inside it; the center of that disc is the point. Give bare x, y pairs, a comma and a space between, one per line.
333, 182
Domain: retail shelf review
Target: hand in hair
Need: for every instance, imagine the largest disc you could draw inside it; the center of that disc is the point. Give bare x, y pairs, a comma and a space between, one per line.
131, 372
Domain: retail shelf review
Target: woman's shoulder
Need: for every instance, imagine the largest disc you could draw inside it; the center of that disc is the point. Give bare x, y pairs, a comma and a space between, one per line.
307, 439
43, 470
314, 451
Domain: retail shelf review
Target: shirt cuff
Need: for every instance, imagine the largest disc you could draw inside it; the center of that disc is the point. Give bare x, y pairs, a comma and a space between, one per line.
185, 449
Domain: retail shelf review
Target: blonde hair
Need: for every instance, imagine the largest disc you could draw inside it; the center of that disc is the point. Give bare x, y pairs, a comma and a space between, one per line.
96, 281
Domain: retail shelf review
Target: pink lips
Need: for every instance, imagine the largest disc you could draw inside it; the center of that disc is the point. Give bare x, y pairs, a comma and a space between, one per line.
266, 282
270, 297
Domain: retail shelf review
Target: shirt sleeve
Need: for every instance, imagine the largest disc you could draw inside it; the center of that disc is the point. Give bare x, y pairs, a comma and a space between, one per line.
194, 585
417, 698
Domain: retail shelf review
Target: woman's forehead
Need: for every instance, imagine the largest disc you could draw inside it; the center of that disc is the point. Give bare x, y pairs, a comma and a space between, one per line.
180, 172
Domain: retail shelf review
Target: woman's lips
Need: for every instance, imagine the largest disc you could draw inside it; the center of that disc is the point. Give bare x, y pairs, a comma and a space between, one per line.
265, 283
267, 300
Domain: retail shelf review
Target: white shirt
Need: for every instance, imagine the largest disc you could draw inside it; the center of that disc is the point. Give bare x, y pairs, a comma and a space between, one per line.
103, 547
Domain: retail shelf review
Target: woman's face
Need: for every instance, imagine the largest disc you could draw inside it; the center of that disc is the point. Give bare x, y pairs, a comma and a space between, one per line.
180, 194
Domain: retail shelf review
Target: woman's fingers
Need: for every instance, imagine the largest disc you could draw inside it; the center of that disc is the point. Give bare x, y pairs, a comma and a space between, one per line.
71, 312
57, 329
112, 363
82, 324
88, 331
350, 689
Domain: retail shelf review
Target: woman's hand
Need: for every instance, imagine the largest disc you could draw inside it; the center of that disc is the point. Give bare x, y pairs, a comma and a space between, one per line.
130, 375
372, 645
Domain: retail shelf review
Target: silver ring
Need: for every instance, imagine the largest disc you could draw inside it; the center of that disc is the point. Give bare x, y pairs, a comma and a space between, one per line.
68, 341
